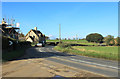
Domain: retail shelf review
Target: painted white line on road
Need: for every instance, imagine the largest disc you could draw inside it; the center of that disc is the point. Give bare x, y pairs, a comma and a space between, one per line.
91, 63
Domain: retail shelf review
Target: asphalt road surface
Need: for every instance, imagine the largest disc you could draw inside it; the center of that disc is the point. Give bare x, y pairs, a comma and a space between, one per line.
100, 66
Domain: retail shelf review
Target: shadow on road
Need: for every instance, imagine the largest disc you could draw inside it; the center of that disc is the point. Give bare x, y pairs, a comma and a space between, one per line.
42, 52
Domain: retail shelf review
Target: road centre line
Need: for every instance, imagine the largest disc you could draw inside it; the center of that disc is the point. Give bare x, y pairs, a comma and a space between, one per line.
91, 63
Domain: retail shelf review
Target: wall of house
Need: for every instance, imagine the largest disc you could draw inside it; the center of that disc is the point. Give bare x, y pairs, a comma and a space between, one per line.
36, 38
33, 35
29, 39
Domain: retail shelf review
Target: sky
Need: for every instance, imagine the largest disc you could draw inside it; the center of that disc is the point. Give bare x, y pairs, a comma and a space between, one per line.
59, 0
76, 18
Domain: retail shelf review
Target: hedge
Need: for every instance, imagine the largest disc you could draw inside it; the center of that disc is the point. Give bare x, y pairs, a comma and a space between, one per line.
16, 43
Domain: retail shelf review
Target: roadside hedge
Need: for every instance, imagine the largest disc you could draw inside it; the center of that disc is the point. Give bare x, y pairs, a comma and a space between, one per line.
15, 44
63, 45
5, 42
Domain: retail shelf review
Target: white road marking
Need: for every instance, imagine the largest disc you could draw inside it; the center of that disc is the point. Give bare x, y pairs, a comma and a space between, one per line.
91, 63
95, 64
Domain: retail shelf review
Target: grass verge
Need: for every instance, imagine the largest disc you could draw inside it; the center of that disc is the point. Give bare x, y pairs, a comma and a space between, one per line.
107, 55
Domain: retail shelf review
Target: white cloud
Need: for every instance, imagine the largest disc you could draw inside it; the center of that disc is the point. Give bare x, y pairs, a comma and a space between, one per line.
51, 37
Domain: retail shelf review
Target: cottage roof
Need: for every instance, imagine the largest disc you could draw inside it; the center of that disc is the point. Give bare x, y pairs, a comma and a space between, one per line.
36, 31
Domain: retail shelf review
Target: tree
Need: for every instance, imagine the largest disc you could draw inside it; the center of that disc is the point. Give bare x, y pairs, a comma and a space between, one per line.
21, 35
112, 42
109, 40
57, 39
117, 41
94, 37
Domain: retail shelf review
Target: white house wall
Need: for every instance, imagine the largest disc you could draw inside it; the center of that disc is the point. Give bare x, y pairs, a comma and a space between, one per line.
29, 39
31, 33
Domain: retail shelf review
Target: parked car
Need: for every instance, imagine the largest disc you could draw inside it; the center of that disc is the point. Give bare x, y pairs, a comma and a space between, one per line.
39, 45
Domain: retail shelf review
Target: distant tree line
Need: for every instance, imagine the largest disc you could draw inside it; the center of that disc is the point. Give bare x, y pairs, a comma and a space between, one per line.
98, 38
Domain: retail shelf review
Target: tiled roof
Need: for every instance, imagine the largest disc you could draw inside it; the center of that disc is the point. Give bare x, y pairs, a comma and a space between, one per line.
36, 32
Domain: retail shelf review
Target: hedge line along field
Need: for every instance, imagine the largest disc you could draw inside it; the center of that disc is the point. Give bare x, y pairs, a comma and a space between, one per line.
84, 42
105, 52
67, 41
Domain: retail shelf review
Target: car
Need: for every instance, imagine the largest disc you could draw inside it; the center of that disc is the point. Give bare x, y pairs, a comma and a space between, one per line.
39, 44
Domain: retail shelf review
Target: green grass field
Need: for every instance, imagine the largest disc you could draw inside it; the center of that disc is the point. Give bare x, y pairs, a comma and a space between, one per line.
67, 41
106, 52
84, 42
110, 53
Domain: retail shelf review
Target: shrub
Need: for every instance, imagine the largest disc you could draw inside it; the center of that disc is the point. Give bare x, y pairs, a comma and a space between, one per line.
63, 45
112, 42
117, 41
15, 43
5, 42
109, 40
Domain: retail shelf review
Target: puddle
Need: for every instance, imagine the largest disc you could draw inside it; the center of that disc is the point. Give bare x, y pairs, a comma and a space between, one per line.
58, 76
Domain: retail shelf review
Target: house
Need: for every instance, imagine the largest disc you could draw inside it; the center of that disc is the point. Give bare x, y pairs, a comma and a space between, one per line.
47, 38
35, 35
7, 30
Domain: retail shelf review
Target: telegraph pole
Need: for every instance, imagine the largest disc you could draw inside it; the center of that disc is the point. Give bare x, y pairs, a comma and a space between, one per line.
59, 33
76, 36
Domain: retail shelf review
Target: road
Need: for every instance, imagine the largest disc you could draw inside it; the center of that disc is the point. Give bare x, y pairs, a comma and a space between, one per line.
104, 67
97, 66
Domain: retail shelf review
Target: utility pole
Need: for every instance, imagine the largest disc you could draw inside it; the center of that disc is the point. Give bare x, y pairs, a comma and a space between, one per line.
76, 36
59, 33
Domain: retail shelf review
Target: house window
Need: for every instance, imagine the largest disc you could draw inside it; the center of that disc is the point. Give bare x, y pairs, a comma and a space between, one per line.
33, 36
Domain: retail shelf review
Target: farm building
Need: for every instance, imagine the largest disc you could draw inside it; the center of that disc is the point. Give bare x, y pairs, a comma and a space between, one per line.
35, 35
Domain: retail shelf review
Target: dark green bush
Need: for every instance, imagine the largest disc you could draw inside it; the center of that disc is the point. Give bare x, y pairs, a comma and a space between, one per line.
24, 43
109, 40
5, 42
16, 44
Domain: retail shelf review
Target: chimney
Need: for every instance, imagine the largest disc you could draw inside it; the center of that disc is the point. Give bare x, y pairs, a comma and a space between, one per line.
35, 28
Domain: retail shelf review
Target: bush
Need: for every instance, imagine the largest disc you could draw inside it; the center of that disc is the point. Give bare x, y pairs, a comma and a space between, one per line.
112, 42
24, 43
117, 41
5, 42
63, 45
16, 44
109, 40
